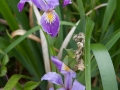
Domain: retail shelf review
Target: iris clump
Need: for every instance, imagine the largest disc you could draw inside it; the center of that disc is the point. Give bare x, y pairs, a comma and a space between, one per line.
69, 75
49, 21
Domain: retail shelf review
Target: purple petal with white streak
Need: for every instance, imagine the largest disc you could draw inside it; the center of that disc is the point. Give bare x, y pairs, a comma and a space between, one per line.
46, 5
51, 27
21, 4
53, 77
41, 4
51, 4
62, 67
68, 81
57, 62
77, 86
65, 2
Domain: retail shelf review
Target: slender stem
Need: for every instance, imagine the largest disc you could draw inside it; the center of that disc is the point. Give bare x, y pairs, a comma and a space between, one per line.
88, 32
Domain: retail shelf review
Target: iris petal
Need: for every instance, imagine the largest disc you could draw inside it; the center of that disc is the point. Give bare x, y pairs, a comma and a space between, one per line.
77, 86
50, 23
51, 88
57, 62
41, 4
65, 2
21, 4
53, 77
51, 4
46, 5
68, 81
64, 69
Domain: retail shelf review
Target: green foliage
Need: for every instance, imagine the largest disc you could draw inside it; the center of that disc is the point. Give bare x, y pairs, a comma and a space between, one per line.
105, 66
14, 80
88, 31
25, 57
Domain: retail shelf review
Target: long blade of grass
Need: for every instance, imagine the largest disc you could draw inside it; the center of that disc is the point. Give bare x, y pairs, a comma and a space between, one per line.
107, 16
7, 14
105, 66
21, 16
88, 32
13, 81
66, 23
16, 42
61, 34
82, 14
113, 40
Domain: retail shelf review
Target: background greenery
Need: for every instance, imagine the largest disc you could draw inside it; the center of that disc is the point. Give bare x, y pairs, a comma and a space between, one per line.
24, 59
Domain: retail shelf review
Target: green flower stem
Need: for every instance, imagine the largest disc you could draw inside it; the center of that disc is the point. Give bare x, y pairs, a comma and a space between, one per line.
88, 32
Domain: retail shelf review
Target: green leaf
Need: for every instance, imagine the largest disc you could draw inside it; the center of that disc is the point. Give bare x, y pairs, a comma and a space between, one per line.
21, 16
7, 14
107, 16
16, 42
88, 32
13, 81
3, 70
112, 41
5, 59
108, 38
18, 86
70, 52
31, 85
67, 23
105, 66
61, 34
82, 15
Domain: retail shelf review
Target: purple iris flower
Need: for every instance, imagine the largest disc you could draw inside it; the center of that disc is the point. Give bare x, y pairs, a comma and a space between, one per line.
69, 83
65, 2
49, 20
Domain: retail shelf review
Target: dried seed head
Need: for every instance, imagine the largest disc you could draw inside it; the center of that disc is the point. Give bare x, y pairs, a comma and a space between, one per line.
80, 45
80, 39
75, 37
81, 67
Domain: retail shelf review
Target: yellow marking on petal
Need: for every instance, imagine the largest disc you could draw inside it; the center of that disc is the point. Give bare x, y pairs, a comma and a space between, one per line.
66, 68
50, 17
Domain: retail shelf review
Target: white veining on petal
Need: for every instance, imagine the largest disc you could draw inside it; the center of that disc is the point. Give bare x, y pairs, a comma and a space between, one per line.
50, 17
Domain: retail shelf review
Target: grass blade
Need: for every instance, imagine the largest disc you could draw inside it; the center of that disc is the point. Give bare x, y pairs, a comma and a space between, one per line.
105, 67
108, 14
21, 16
11, 46
7, 14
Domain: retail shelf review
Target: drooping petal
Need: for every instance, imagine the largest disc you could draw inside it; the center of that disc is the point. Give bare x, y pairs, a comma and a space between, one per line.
50, 23
53, 77
68, 81
46, 5
65, 2
77, 86
41, 4
64, 69
21, 4
51, 88
61, 89
51, 4
57, 62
